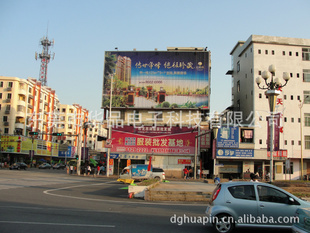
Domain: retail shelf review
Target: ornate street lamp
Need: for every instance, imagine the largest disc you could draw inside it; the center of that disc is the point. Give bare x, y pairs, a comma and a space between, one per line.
272, 92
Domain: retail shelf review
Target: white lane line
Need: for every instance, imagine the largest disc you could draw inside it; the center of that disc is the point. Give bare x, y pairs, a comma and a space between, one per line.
47, 192
62, 209
57, 224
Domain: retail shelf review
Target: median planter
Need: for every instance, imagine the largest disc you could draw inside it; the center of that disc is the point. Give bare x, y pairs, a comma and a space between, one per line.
139, 190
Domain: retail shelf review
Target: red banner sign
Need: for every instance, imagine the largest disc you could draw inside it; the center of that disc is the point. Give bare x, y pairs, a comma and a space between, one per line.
185, 161
153, 140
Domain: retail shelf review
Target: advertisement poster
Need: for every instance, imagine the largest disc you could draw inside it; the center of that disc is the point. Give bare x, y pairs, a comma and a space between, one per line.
21, 144
153, 140
228, 137
158, 79
111, 167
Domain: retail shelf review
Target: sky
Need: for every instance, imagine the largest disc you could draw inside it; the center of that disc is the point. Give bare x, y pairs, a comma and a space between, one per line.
84, 30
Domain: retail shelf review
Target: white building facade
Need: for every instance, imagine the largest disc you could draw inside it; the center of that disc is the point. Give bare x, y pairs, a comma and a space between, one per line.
250, 108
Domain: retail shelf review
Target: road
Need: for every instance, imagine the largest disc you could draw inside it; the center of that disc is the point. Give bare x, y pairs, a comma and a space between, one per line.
52, 201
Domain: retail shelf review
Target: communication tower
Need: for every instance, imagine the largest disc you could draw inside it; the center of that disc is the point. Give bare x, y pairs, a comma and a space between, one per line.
45, 57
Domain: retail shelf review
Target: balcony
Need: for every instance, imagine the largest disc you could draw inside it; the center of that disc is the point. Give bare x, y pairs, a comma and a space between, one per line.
21, 102
6, 123
19, 125
30, 106
8, 89
7, 101
7, 111
22, 91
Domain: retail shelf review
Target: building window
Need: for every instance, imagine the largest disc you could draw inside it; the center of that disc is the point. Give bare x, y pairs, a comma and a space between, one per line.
283, 53
292, 120
158, 117
10, 84
292, 97
6, 130
136, 115
247, 135
238, 66
306, 99
259, 51
0, 95
9, 96
272, 52
5, 118
307, 119
260, 95
266, 51
284, 97
1, 84
285, 119
307, 142
290, 53
292, 142
299, 143
306, 75
238, 86
297, 54
297, 75
260, 141
259, 72
298, 97
306, 54
285, 142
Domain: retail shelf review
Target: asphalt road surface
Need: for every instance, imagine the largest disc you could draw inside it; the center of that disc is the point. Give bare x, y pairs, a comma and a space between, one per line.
52, 201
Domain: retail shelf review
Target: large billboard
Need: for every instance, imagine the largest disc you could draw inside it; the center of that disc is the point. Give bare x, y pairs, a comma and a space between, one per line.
157, 79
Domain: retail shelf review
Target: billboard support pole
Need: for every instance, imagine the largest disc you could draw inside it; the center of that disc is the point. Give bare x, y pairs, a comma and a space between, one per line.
110, 128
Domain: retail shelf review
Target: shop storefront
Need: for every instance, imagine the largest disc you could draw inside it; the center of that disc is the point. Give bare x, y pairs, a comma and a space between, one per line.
170, 148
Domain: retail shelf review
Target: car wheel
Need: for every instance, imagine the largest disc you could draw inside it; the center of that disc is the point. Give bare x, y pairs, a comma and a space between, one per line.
157, 178
224, 223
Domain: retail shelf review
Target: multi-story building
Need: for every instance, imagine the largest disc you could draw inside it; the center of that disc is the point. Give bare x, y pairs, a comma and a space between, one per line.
26, 106
250, 109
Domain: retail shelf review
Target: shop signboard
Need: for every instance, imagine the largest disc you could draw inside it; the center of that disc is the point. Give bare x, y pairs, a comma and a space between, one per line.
235, 153
153, 140
158, 79
228, 137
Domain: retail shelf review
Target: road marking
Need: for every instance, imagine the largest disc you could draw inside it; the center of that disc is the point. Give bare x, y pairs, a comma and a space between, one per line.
57, 224
48, 192
62, 209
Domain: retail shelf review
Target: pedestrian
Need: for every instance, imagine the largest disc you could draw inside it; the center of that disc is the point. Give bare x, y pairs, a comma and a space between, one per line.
98, 170
230, 179
185, 171
217, 180
88, 170
252, 176
71, 169
198, 173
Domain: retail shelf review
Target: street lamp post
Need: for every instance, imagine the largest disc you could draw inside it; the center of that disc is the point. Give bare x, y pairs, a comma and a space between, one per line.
272, 92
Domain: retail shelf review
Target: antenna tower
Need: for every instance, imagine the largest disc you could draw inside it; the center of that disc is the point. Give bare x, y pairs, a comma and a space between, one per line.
45, 57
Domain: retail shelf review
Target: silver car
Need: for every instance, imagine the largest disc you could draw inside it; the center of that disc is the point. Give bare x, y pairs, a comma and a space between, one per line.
237, 204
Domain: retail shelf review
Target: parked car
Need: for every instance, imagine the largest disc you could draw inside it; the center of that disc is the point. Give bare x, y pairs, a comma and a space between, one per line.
237, 204
18, 166
303, 224
158, 173
45, 166
59, 166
